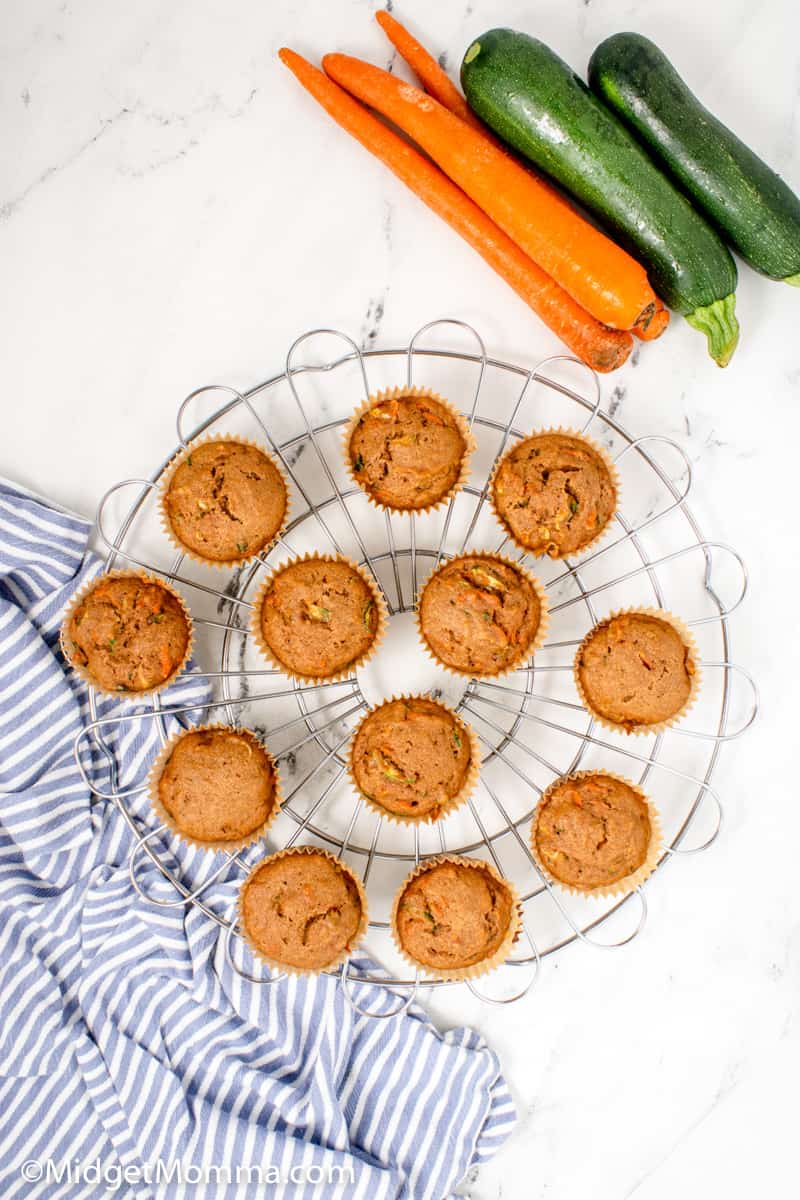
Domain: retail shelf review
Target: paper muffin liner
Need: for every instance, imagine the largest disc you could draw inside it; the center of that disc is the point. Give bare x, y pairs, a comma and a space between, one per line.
601, 453
161, 812
274, 963
418, 393
628, 882
466, 790
486, 965
686, 636
86, 590
536, 642
166, 480
377, 596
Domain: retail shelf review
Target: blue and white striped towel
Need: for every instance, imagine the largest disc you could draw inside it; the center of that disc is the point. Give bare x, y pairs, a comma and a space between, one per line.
134, 1059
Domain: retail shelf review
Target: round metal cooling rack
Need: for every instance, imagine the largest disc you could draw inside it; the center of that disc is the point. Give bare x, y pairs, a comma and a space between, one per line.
530, 726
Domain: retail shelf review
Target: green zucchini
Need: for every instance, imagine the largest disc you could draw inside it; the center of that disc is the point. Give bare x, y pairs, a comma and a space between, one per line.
536, 103
751, 205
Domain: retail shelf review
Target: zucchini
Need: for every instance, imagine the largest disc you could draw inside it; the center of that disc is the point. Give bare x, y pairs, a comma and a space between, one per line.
746, 200
535, 102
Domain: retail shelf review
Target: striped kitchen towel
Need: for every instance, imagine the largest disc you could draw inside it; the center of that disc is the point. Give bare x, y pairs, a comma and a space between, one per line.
134, 1059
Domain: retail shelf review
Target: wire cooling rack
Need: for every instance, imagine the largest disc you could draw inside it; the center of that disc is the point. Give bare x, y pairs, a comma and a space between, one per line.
530, 725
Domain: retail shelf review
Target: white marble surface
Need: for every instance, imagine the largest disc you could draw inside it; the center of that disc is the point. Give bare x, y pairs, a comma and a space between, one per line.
173, 211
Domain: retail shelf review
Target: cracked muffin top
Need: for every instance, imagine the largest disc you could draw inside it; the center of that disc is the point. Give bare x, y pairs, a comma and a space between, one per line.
479, 614
129, 634
554, 493
411, 757
225, 501
453, 915
406, 451
318, 618
302, 910
218, 785
592, 831
635, 670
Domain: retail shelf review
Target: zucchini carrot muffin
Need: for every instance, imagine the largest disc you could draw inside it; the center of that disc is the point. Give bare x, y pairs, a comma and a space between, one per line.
555, 493
216, 786
455, 917
481, 615
413, 758
636, 670
127, 633
302, 909
318, 618
592, 830
225, 501
408, 449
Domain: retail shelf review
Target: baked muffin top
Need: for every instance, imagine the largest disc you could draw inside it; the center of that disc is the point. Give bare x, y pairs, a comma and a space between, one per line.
453, 915
592, 831
479, 614
411, 757
129, 634
225, 501
406, 451
554, 493
635, 670
218, 785
318, 618
302, 909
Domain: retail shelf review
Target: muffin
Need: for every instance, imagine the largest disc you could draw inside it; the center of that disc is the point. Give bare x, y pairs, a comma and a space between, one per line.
555, 493
592, 830
216, 786
127, 633
455, 918
318, 617
413, 759
408, 449
302, 910
224, 501
481, 614
636, 671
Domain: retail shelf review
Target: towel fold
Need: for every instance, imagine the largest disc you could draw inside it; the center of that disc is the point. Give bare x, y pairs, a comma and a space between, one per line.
129, 1043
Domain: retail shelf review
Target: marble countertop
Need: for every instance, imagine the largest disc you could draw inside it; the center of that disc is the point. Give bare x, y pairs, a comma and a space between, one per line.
174, 211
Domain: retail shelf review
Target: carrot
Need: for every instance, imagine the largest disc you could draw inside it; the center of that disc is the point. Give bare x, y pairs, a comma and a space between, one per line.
600, 347
165, 659
601, 276
652, 329
434, 78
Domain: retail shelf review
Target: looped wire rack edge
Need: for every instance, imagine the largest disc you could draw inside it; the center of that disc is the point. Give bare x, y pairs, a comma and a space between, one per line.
507, 714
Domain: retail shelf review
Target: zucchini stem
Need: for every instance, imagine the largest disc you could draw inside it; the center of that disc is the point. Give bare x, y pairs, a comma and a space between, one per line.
793, 280
718, 322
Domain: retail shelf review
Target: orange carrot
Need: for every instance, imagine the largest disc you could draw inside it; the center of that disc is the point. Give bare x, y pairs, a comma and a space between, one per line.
603, 279
600, 347
434, 78
165, 659
652, 329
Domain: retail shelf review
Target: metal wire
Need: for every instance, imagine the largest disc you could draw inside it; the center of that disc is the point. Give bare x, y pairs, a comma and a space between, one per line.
404, 546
